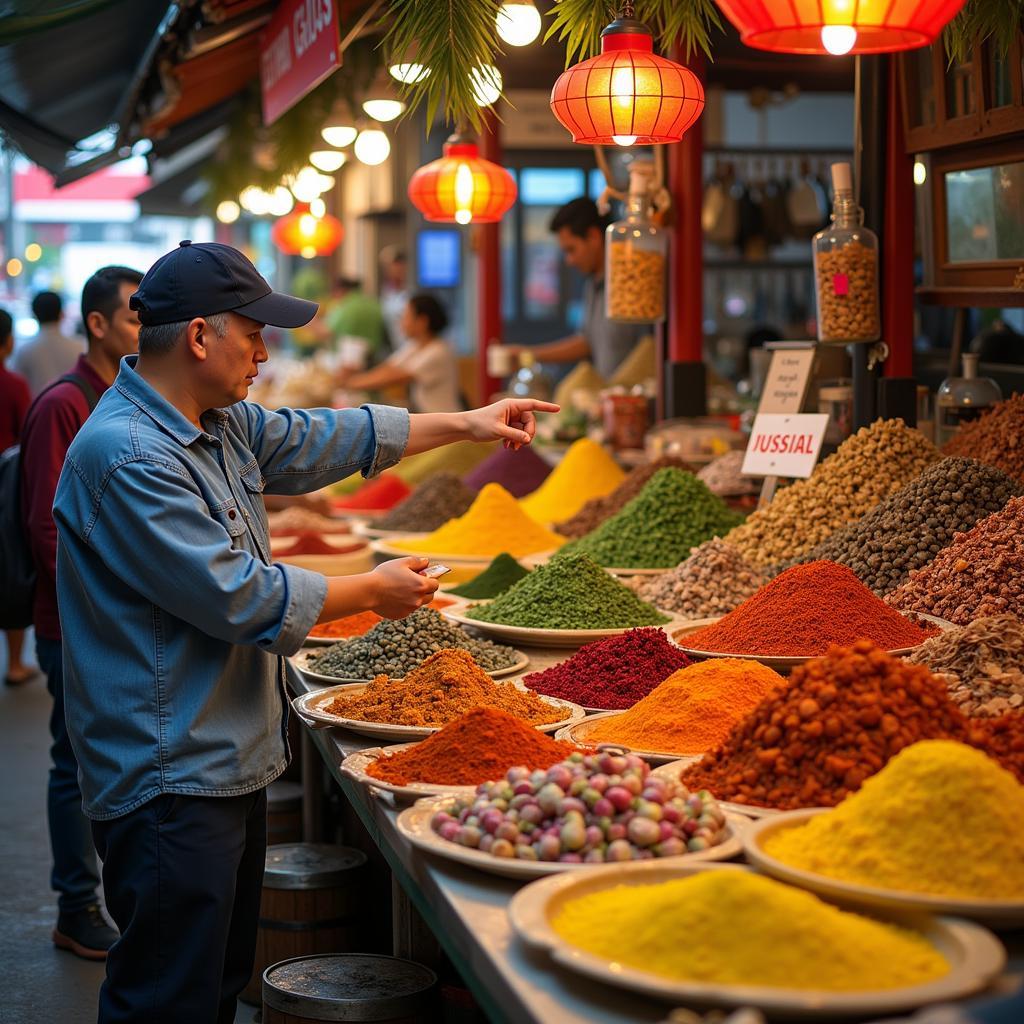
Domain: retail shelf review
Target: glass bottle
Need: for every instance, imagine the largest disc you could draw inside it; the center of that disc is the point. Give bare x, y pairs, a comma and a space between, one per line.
846, 269
528, 381
960, 399
636, 255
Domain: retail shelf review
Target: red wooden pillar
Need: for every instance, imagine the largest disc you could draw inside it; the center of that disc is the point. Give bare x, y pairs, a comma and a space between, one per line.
898, 240
684, 376
488, 276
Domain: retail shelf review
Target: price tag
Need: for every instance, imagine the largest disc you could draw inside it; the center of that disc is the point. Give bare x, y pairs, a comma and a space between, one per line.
785, 445
840, 284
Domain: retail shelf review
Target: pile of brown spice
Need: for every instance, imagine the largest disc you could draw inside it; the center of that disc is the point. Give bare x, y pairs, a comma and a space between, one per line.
995, 437
448, 684
480, 746
982, 663
839, 721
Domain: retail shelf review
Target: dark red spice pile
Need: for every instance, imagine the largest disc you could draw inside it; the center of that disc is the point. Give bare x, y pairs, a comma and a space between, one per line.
383, 492
805, 611
612, 674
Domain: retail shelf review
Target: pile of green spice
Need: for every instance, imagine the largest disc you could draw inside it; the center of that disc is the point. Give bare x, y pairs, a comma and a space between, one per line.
673, 514
569, 592
494, 580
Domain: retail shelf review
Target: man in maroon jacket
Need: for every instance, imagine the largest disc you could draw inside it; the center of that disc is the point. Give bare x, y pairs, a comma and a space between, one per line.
52, 423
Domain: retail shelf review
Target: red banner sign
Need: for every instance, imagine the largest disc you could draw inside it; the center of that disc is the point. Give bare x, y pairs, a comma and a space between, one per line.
298, 50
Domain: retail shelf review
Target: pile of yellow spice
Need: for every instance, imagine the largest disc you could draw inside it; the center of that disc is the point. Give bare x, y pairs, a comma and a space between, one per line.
736, 928
915, 827
493, 524
586, 472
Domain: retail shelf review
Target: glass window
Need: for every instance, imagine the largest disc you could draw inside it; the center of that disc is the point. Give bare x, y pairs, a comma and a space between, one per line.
550, 186
1000, 90
959, 90
985, 213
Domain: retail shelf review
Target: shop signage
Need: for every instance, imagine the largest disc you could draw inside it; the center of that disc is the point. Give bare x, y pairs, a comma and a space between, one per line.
785, 386
298, 50
785, 445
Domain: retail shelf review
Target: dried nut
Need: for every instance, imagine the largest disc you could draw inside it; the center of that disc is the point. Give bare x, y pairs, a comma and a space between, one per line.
849, 313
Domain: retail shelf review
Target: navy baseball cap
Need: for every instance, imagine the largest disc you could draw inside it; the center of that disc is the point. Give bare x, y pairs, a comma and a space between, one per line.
204, 278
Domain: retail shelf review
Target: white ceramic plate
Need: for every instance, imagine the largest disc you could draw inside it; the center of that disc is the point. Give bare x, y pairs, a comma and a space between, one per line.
673, 769
562, 638
639, 572
310, 708
325, 641
301, 662
579, 732
356, 764
782, 665
975, 955
414, 824
384, 547
995, 913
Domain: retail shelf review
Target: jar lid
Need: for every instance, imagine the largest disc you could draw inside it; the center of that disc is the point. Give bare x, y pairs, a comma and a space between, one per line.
836, 394
310, 865
349, 987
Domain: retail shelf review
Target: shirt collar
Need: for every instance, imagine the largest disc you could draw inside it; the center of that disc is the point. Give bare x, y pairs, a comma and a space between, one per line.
163, 414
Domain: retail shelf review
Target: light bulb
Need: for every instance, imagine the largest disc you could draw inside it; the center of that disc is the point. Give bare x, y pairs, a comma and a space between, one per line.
338, 135
317, 207
327, 159
624, 140
228, 211
280, 202
255, 200
518, 22
463, 194
383, 110
14, 267
307, 225
307, 252
372, 147
409, 74
487, 82
838, 39
920, 173
306, 184
33, 252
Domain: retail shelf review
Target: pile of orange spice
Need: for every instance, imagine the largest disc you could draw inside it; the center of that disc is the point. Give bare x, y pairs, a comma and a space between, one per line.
447, 685
480, 746
693, 709
360, 623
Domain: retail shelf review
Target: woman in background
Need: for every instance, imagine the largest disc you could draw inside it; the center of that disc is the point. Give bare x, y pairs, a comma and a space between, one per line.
425, 363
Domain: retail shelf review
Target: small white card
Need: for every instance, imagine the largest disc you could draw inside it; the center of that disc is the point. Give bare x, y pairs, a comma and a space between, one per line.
785, 445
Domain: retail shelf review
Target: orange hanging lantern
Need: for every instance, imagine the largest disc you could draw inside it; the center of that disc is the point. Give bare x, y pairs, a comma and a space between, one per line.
627, 94
839, 26
461, 187
302, 234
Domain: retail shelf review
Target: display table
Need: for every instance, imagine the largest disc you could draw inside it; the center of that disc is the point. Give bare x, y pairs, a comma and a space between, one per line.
466, 911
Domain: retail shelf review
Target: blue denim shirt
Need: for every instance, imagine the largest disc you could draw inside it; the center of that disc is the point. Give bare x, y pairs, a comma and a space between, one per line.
174, 617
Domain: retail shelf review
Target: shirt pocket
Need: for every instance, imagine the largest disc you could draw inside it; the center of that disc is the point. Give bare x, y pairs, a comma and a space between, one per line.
252, 477
230, 517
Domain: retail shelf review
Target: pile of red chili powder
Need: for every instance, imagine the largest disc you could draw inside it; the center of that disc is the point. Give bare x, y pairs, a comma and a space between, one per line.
383, 492
803, 612
612, 674
839, 721
480, 746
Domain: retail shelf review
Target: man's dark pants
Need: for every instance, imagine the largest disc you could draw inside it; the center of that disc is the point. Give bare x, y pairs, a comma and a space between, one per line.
75, 877
183, 877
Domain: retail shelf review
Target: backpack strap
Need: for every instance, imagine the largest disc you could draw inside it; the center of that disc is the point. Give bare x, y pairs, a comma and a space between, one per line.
88, 391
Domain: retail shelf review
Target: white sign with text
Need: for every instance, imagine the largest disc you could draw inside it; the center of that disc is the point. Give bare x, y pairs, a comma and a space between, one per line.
785, 445
786, 384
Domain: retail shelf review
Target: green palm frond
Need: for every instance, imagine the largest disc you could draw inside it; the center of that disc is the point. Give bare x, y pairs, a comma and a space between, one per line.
578, 24
981, 21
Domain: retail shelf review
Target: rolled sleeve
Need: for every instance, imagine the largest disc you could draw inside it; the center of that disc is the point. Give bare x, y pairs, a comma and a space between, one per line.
391, 431
307, 592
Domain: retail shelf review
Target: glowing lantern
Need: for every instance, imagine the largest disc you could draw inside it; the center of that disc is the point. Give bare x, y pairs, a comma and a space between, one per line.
839, 26
627, 93
302, 234
462, 187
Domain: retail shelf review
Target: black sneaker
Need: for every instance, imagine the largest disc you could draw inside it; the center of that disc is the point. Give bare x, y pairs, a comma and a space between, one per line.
84, 933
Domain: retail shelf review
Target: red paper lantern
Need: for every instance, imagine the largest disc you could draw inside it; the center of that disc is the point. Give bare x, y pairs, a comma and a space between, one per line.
627, 94
839, 26
302, 234
461, 187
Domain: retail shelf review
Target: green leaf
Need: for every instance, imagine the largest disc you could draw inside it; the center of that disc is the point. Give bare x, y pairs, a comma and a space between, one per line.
981, 21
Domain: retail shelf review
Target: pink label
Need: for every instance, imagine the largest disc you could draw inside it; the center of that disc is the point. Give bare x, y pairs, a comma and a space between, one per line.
840, 284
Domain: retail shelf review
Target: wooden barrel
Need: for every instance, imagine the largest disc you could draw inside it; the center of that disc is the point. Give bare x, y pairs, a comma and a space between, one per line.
311, 900
284, 812
354, 987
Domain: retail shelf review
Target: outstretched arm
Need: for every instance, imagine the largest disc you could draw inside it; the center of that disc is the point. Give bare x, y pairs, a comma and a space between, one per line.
511, 420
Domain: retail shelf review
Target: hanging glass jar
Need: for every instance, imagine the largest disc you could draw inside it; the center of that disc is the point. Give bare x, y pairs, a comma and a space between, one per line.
636, 256
846, 269
962, 399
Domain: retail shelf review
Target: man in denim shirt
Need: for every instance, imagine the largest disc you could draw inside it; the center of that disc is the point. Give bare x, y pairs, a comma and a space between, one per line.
175, 619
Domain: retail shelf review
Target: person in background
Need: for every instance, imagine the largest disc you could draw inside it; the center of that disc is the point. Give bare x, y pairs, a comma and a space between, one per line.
175, 681
352, 315
112, 329
394, 292
50, 353
14, 402
579, 228
425, 364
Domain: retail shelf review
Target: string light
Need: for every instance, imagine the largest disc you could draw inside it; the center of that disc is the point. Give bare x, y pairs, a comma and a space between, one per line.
372, 147
518, 22
228, 211
33, 252
339, 135
327, 159
409, 73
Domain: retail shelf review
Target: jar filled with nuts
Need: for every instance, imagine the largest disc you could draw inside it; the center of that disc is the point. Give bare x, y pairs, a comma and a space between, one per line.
636, 256
846, 269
